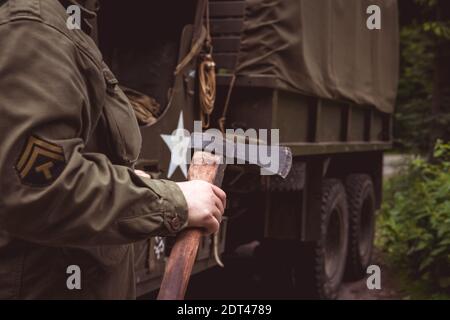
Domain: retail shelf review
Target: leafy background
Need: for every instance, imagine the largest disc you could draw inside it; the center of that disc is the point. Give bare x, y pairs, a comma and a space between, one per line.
414, 224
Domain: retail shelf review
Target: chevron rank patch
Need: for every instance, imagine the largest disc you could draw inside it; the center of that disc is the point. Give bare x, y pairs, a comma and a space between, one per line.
40, 162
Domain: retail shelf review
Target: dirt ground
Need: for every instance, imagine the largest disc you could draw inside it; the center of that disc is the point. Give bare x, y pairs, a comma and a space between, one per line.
358, 290
393, 163
241, 282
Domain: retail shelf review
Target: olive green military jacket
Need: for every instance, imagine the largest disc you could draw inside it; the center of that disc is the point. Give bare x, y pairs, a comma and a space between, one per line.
68, 142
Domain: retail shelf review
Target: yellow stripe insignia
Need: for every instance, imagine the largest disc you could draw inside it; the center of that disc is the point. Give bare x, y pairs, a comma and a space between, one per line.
40, 163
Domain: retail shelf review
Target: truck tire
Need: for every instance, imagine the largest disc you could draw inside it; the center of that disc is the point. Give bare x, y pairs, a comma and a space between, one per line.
320, 268
361, 204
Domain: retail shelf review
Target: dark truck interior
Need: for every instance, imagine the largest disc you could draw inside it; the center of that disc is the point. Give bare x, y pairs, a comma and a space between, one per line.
140, 42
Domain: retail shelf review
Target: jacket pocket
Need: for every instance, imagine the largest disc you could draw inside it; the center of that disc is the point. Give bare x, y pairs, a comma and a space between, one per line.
121, 122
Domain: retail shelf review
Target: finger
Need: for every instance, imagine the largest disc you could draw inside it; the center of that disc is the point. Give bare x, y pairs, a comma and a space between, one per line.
211, 226
221, 194
217, 215
219, 204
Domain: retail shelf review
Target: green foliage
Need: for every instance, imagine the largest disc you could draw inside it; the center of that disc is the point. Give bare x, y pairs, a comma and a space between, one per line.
437, 28
414, 226
419, 38
413, 116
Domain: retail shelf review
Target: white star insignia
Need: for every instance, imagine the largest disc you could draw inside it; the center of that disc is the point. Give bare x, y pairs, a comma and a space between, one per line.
178, 142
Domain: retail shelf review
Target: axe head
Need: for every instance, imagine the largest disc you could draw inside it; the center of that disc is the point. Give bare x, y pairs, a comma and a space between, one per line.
237, 149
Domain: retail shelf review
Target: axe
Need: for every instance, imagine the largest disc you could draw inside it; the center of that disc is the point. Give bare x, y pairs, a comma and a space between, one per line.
208, 167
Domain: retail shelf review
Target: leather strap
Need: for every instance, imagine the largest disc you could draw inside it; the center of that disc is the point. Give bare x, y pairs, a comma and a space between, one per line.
195, 50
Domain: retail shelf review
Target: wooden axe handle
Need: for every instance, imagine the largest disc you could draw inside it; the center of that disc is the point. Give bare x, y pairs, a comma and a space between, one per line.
205, 166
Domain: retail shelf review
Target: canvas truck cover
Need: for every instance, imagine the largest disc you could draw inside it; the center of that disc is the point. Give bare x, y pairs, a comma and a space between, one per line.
324, 48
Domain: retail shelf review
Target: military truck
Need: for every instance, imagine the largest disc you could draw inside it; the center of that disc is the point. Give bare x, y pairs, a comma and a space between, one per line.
310, 68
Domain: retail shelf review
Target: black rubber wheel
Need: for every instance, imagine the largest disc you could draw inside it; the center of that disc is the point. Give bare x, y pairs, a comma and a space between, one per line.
361, 204
320, 267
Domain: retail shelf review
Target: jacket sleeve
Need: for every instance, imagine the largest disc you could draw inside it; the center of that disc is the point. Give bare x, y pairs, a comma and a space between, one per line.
45, 94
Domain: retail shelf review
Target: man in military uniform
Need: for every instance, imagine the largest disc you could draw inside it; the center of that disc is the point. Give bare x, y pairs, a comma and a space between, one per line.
69, 139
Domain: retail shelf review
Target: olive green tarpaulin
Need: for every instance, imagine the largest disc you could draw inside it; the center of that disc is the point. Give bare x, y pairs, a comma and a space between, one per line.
324, 48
